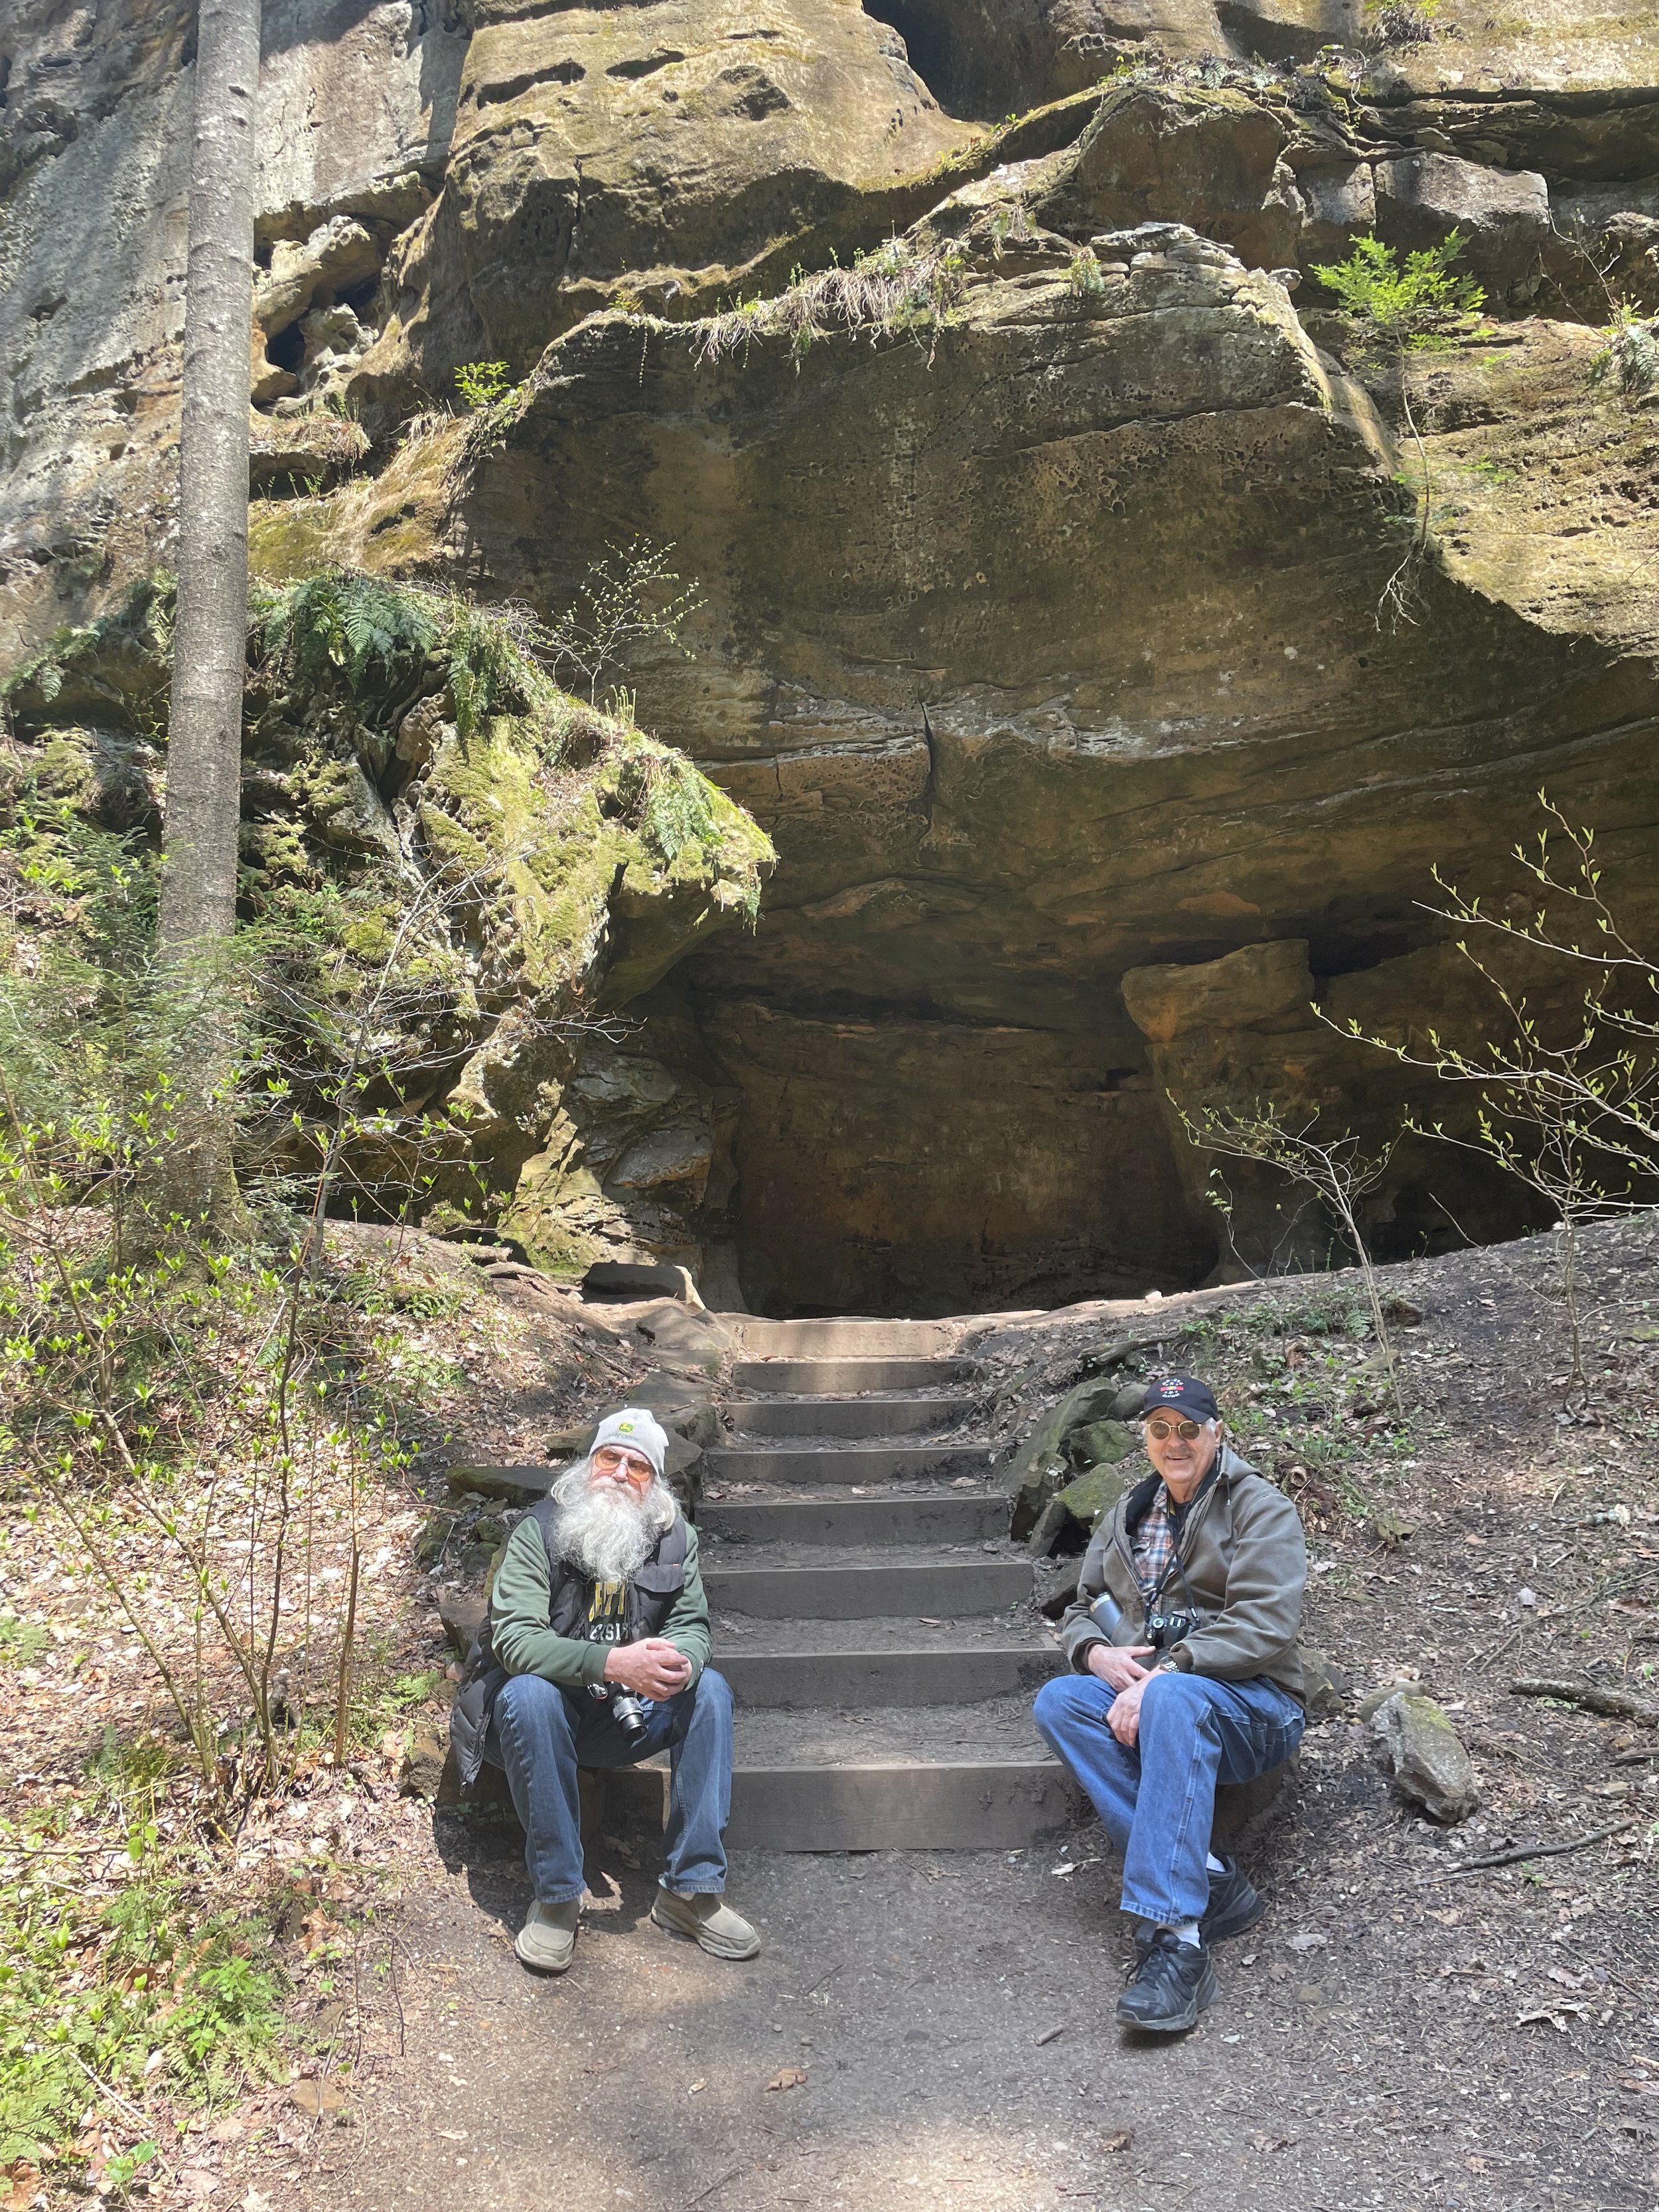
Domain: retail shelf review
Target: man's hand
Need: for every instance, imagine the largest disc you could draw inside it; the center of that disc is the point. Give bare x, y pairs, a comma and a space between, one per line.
654, 1668
1124, 1718
1117, 1664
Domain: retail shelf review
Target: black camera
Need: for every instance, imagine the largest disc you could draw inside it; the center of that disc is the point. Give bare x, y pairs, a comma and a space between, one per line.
1163, 1629
628, 1715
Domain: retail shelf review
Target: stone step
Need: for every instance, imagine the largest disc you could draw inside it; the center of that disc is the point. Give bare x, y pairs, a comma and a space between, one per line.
920, 1778
928, 1777
882, 1675
938, 1517
948, 1589
846, 1417
854, 1463
965, 1805
850, 1337
837, 1377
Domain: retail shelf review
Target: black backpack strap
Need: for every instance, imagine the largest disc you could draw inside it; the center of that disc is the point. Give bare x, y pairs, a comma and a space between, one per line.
544, 1513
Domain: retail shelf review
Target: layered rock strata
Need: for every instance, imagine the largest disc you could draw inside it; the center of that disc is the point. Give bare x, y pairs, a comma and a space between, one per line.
1047, 618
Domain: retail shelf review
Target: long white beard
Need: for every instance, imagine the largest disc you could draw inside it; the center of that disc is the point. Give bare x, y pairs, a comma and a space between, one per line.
605, 1531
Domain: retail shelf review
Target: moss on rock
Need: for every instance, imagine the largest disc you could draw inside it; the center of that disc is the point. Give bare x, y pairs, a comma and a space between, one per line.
423, 804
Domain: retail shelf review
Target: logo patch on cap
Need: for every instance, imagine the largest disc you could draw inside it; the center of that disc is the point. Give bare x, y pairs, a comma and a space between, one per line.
1169, 1389
624, 1428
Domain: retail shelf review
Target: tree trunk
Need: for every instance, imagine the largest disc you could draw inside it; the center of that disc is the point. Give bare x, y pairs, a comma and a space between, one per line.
205, 742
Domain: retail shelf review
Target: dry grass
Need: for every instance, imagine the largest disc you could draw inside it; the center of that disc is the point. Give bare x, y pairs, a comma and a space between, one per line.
893, 291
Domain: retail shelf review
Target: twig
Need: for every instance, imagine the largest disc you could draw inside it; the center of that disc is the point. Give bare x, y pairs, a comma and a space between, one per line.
730, 2175
1618, 1704
1633, 1757
115, 2097
1531, 1852
1498, 1649
343, 1699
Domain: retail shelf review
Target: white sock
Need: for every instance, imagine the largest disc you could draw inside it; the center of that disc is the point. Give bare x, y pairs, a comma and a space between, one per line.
1186, 1933
1213, 1864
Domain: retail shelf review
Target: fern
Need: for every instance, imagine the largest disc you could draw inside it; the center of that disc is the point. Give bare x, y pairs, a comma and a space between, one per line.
341, 620
1630, 358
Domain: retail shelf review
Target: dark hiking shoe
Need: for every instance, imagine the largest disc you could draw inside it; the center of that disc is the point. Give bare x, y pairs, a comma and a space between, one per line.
1173, 1981
1234, 1905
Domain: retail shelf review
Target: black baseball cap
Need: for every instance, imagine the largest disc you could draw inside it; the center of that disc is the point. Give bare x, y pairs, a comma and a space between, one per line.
1181, 1394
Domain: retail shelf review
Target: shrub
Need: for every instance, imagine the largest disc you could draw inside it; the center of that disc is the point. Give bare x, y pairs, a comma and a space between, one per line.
482, 383
1629, 359
1401, 22
1405, 306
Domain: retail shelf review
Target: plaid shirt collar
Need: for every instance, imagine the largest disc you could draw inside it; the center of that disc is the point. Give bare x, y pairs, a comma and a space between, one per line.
1154, 1543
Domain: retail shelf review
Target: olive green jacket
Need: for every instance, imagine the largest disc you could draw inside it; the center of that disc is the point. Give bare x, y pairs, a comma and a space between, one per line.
528, 1614
1246, 1566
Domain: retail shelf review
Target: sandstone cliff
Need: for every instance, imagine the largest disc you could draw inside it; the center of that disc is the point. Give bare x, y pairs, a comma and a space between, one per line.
1044, 623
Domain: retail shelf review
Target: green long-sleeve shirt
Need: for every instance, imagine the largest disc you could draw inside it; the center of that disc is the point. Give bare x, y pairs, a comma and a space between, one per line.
521, 1602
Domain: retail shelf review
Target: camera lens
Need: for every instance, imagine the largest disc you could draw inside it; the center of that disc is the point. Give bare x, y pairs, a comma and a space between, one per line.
626, 1711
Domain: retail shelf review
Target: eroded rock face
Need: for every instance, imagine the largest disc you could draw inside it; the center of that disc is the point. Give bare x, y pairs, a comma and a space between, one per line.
1056, 703
1047, 633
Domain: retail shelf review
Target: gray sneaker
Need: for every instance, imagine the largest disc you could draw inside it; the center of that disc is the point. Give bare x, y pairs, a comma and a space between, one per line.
708, 1921
548, 1938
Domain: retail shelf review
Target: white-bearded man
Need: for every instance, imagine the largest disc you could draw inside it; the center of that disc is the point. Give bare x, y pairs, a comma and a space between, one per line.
595, 1654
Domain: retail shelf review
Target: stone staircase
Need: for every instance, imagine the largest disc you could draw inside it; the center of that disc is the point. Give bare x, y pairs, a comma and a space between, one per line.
875, 1623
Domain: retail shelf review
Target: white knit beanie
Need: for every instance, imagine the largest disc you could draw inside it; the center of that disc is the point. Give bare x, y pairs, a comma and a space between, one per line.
637, 1430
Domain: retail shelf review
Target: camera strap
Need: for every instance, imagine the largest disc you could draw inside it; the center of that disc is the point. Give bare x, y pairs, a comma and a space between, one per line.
1178, 1517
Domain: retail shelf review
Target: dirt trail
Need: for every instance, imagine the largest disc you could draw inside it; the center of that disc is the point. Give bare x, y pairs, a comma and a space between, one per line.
1371, 2047
914, 1990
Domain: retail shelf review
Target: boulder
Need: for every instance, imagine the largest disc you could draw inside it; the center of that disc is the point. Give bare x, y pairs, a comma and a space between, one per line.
1106, 1480
1504, 214
339, 255
422, 1769
1045, 1461
1338, 204
1258, 984
1324, 1684
462, 1613
1425, 1755
1238, 1803
1179, 155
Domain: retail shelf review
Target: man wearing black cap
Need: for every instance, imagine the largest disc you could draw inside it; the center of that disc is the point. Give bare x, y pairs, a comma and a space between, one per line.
1183, 1643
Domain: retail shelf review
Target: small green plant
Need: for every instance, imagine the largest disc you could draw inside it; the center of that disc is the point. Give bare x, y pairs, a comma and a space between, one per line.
113, 1993
1629, 360
22, 1642
1398, 309
1401, 22
1404, 306
1085, 276
626, 598
482, 383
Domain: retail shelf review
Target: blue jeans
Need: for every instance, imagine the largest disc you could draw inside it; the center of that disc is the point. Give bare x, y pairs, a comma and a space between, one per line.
541, 1733
1157, 1802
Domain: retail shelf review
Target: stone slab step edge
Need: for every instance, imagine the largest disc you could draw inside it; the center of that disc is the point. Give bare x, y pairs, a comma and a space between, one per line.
966, 1517
907, 1806
815, 1378
934, 1677
847, 1462
950, 1590
843, 1416
849, 1337
1001, 1805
